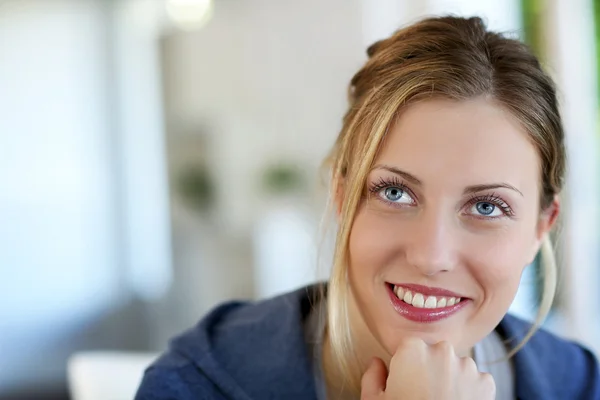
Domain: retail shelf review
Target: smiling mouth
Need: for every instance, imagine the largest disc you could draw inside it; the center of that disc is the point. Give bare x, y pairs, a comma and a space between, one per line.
420, 300
425, 305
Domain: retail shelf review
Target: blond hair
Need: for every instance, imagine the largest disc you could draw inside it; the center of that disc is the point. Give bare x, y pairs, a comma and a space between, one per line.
446, 57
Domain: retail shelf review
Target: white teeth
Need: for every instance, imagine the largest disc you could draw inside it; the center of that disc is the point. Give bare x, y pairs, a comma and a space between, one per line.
431, 302
418, 300
399, 292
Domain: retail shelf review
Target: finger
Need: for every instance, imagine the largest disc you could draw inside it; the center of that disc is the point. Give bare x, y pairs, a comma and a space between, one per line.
469, 365
409, 350
373, 380
488, 385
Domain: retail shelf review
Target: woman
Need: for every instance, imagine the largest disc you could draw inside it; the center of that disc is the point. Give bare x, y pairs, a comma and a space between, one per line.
446, 177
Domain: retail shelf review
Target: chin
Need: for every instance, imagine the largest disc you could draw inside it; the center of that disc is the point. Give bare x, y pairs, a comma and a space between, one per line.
393, 338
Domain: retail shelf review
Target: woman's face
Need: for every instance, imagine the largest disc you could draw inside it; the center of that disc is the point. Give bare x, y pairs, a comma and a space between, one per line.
451, 211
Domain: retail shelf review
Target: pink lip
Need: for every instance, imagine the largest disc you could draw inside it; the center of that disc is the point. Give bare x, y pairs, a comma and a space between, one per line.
428, 291
424, 315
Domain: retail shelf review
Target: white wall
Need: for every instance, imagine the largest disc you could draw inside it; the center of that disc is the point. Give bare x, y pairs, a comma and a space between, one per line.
503, 16
140, 153
60, 264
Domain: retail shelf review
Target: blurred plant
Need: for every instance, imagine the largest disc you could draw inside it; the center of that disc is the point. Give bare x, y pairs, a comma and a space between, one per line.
196, 187
596, 4
283, 178
533, 28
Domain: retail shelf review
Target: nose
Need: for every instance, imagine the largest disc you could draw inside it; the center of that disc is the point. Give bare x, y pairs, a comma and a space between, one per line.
431, 248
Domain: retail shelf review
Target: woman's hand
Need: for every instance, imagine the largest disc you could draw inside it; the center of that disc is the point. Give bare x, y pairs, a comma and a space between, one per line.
426, 372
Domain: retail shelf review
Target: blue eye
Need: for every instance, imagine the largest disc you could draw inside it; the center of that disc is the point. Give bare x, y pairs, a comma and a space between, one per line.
395, 194
489, 206
486, 209
392, 192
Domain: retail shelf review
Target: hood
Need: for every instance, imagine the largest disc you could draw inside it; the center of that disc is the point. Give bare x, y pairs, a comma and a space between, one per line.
254, 350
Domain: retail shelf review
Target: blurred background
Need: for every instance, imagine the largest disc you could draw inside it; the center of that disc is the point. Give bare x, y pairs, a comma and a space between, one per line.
160, 156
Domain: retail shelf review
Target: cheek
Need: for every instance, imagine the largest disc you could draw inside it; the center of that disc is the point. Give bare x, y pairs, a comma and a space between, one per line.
497, 261
373, 243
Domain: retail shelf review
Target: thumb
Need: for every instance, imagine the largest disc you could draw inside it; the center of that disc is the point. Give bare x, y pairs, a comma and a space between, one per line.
373, 380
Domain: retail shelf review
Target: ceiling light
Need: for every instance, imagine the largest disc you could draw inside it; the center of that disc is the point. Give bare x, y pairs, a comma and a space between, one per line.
189, 14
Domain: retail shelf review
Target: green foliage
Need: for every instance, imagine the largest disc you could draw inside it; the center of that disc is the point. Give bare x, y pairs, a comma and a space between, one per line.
196, 187
533, 33
596, 4
283, 178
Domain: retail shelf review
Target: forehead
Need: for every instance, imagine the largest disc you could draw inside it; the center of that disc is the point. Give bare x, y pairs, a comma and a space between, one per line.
461, 142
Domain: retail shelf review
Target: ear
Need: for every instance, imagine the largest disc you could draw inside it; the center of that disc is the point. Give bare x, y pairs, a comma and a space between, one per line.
546, 222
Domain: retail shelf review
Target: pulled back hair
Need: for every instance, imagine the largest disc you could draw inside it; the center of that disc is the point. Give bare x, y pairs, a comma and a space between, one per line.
450, 58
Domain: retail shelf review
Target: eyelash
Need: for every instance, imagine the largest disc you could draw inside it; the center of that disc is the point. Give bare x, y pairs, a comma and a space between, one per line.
384, 183
495, 200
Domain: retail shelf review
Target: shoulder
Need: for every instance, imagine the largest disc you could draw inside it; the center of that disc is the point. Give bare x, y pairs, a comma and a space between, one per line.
551, 366
238, 350
238, 328
173, 377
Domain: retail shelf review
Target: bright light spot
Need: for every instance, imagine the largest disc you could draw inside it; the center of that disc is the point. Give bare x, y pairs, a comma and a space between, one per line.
189, 14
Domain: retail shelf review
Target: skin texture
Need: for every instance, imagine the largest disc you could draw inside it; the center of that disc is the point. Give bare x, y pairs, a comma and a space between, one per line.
435, 373
432, 232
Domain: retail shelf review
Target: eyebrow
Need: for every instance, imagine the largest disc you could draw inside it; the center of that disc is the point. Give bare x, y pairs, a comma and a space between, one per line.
405, 175
468, 190
481, 188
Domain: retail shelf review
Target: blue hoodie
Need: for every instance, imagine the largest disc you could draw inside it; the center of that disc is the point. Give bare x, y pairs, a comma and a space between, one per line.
245, 351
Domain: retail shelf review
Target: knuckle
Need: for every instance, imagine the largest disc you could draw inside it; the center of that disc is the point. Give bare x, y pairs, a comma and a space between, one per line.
445, 354
487, 380
410, 344
409, 348
488, 385
468, 364
445, 348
